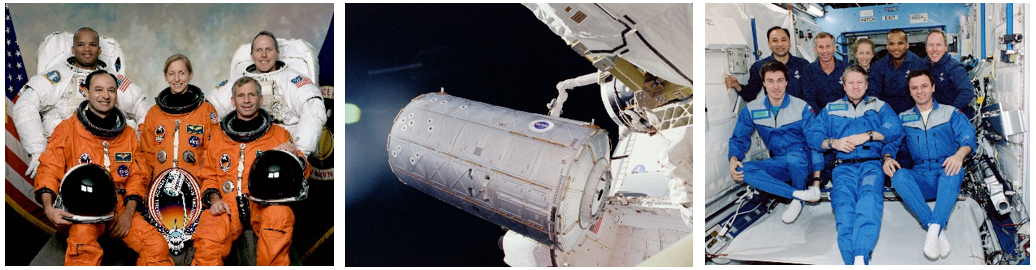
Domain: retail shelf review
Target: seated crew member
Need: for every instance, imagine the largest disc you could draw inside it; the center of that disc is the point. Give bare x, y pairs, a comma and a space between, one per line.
53, 96
856, 127
247, 131
778, 39
178, 126
780, 119
293, 100
938, 137
98, 134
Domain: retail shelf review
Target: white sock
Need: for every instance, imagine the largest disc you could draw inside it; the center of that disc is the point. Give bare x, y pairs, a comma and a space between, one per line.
810, 195
859, 261
944, 244
931, 242
792, 212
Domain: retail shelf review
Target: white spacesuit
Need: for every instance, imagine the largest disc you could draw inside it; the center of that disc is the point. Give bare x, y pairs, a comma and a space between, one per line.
290, 97
53, 95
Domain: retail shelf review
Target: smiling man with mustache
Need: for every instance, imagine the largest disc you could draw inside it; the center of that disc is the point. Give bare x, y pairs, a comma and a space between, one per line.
53, 95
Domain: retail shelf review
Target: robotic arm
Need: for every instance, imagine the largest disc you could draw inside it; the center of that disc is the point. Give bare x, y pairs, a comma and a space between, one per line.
563, 86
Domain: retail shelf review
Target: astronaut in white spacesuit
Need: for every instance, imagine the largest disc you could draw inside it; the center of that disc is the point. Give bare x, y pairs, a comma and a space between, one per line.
54, 94
292, 99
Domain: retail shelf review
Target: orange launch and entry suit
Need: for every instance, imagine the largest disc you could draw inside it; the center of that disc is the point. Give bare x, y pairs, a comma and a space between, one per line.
181, 133
228, 160
75, 141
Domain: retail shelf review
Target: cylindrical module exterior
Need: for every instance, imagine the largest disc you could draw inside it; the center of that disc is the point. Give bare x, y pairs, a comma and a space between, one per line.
540, 176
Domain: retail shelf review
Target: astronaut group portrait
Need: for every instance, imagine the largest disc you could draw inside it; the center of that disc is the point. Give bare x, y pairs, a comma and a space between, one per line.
875, 134
180, 181
827, 134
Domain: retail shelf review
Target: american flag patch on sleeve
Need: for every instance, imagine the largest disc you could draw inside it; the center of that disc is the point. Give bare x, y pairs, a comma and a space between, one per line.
123, 82
300, 80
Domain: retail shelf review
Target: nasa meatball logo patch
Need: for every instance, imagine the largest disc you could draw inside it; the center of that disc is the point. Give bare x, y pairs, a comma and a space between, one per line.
212, 117
123, 170
541, 126
194, 141
639, 169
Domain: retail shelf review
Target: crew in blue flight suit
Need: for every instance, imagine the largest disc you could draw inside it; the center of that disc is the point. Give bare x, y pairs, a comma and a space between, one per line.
781, 120
939, 137
824, 82
824, 76
888, 75
856, 127
888, 79
950, 77
779, 41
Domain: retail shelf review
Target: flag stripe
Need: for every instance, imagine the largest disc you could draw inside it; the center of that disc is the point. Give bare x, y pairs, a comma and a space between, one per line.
15, 146
15, 178
17, 187
9, 126
33, 214
29, 204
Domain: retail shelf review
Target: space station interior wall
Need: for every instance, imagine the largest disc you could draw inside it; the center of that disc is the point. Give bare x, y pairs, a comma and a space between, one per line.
721, 119
804, 44
1010, 91
882, 18
766, 16
600, 28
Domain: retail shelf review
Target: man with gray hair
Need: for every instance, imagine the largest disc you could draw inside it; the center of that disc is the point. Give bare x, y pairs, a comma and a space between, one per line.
54, 95
856, 129
292, 99
247, 131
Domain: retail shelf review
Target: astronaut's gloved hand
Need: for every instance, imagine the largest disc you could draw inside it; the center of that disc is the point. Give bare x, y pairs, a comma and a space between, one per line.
35, 162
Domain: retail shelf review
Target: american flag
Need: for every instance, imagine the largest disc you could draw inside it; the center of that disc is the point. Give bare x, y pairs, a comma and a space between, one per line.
18, 188
300, 80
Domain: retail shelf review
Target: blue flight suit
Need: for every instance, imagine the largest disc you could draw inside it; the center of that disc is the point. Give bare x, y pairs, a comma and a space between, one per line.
856, 196
821, 88
889, 84
952, 86
796, 68
782, 132
930, 145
